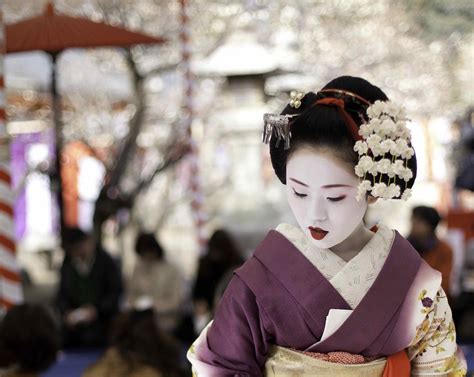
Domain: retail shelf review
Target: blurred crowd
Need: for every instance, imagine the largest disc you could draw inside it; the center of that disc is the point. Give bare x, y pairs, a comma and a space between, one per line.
144, 325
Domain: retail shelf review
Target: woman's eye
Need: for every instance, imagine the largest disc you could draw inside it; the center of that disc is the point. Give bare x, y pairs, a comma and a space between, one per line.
299, 194
338, 199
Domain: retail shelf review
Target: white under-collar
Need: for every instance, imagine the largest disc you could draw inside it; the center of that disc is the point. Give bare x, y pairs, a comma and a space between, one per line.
351, 279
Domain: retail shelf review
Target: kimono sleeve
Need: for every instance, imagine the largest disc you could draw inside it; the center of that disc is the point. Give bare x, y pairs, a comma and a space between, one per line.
236, 343
434, 351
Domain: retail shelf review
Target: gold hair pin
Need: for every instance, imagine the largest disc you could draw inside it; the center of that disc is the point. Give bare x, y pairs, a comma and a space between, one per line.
296, 98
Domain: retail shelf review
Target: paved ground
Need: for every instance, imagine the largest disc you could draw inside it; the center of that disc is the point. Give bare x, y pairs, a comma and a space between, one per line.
73, 363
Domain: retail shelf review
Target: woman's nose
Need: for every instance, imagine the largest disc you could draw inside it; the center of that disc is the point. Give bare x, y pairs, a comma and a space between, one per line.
317, 210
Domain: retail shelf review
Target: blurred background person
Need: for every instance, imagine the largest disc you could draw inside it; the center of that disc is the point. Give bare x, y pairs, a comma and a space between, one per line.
436, 252
89, 290
157, 282
214, 272
29, 341
138, 348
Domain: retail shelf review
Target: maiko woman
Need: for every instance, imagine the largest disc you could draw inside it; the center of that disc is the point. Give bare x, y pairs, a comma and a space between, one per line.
331, 297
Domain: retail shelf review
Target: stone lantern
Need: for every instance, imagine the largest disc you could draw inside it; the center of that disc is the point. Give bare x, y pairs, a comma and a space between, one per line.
237, 116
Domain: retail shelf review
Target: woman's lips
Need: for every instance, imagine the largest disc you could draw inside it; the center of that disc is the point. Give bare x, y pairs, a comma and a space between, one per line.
318, 233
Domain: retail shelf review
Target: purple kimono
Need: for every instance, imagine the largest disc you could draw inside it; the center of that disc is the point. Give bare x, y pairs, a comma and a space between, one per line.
279, 298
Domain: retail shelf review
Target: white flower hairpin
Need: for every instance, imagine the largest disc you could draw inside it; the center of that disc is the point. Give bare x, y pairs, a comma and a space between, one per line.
384, 149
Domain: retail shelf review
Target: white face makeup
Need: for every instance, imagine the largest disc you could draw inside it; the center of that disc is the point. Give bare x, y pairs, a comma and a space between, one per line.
322, 193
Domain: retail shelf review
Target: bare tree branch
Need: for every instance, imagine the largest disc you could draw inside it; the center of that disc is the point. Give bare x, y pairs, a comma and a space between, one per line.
135, 124
175, 154
159, 70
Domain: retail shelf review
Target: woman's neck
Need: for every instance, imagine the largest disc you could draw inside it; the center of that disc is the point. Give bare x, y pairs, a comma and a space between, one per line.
353, 244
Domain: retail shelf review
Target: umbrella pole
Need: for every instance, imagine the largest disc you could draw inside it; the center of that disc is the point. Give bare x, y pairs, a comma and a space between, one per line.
58, 143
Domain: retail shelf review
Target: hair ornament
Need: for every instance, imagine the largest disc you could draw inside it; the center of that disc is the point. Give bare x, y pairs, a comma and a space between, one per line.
277, 126
339, 103
346, 95
296, 98
385, 148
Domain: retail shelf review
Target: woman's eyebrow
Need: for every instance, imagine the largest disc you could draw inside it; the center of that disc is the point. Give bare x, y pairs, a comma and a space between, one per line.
334, 186
325, 186
301, 183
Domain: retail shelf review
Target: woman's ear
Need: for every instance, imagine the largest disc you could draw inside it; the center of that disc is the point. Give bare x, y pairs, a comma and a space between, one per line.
371, 199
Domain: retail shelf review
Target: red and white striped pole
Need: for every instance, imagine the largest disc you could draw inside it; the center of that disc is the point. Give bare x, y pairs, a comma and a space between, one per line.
10, 281
197, 200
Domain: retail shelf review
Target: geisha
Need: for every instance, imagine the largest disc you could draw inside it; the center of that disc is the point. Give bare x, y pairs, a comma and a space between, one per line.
331, 297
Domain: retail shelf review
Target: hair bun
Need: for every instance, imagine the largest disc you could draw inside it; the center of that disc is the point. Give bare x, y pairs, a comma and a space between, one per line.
359, 86
325, 126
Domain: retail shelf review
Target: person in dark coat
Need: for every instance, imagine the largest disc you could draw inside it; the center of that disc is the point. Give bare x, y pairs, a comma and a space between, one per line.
436, 252
222, 258
89, 291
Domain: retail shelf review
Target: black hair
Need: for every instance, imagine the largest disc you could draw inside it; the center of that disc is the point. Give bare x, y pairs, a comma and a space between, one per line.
222, 247
138, 339
29, 337
72, 236
429, 215
323, 127
146, 242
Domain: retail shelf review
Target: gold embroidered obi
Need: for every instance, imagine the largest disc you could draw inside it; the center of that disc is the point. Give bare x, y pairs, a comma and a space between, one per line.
283, 362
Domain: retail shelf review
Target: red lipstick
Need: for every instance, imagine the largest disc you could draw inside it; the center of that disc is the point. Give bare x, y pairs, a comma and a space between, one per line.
317, 233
